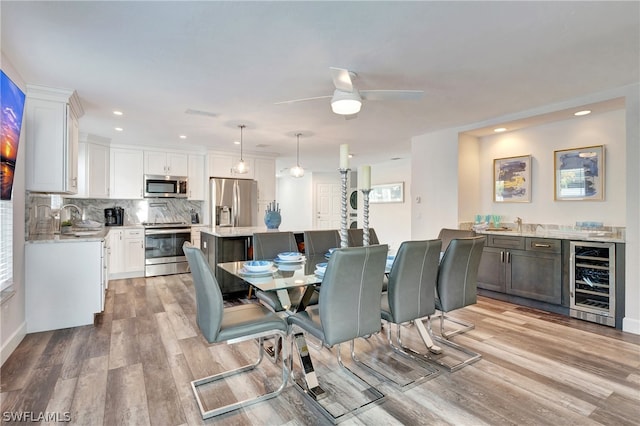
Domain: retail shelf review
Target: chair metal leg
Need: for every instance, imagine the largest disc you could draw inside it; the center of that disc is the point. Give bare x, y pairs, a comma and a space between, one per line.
465, 326
410, 382
304, 388
230, 407
434, 351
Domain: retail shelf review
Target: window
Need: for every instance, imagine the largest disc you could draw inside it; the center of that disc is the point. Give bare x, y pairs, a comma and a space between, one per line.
6, 244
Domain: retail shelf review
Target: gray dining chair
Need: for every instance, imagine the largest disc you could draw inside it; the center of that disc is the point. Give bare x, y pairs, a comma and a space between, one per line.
266, 246
230, 325
410, 296
447, 234
465, 278
349, 307
356, 237
320, 241
456, 287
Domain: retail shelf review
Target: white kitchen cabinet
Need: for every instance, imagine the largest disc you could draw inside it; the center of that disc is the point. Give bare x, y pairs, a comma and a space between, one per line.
196, 177
93, 170
126, 258
195, 235
51, 131
165, 163
64, 283
126, 173
221, 165
265, 175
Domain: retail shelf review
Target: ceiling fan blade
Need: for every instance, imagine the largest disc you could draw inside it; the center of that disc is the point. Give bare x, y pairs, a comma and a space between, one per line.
302, 100
341, 79
391, 95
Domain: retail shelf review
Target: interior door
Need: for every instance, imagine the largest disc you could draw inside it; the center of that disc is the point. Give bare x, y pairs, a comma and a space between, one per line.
327, 206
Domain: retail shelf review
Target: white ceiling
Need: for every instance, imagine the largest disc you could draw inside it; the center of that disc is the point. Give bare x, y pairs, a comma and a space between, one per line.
474, 60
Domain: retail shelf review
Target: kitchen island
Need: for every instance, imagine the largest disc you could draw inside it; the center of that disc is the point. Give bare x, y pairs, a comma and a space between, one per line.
230, 244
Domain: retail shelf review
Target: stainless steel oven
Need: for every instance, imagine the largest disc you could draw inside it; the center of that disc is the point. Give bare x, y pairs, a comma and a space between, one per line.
163, 248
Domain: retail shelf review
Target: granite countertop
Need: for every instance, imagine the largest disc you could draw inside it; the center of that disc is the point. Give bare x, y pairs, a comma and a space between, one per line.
562, 234
239, 231
70, 238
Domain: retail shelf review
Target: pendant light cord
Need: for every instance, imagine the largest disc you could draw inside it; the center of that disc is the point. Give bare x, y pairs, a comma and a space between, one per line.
242, 126
298, 150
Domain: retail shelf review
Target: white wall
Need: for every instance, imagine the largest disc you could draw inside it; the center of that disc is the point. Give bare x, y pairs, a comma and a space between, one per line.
540, 142
631, 322
392, 221
12, 312
434, 183
295, 196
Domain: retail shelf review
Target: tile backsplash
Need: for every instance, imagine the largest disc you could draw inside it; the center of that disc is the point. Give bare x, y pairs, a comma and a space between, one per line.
40, 207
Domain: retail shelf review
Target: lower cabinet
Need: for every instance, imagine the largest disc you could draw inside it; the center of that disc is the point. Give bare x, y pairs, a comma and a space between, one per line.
523, 266
65, 284
126, 253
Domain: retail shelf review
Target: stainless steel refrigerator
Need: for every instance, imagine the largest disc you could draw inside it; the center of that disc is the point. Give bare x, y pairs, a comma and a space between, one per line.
234, 202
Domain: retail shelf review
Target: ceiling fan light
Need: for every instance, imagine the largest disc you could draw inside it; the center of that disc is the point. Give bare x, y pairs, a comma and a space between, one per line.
296, 172
346, 103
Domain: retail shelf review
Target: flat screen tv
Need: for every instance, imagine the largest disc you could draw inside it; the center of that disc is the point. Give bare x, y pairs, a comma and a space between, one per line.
11, 110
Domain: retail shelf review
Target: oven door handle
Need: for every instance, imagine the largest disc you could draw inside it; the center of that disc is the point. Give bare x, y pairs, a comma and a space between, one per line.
166, 231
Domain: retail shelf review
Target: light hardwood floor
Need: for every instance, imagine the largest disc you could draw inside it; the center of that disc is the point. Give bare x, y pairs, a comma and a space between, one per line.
134, 367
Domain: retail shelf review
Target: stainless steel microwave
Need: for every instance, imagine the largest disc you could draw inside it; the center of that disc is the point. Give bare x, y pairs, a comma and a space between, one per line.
159, 186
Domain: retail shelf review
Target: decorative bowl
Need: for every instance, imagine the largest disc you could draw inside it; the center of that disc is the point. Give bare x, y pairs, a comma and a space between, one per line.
258, 266
290, 256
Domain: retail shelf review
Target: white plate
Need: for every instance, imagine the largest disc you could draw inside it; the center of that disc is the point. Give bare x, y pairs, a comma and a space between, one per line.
321, 267
289, 256
319, 273
281, 261
257, 265
245, 272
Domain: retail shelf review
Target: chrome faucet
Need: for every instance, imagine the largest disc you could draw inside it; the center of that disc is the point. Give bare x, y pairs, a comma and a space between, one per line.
519, 222
78, 209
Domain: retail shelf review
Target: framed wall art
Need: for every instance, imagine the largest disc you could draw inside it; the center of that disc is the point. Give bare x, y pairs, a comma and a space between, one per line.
579, 173
387, 193
512, 179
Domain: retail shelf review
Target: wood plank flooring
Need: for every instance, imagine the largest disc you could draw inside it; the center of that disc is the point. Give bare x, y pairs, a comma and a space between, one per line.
135, 365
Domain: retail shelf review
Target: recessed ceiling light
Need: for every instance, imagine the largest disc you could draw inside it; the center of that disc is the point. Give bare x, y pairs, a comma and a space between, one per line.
350, 155
500, 129
119, 129
116, 112
236, 142
183, 136
583, 112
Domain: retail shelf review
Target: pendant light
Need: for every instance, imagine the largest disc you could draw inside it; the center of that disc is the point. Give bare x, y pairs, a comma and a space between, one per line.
241, 167
297, 171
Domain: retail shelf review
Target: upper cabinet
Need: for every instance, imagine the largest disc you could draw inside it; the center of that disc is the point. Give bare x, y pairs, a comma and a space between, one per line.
165, 163
127, 174
196, 177
93, 167
52, 139
221, 165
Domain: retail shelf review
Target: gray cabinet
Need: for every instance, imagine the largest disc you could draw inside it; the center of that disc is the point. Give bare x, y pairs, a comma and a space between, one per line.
225, 249
525, 267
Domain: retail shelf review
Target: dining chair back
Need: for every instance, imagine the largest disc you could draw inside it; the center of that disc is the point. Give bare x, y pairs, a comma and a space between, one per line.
458, 273
320, 241
267, 245
447, 234
232, 325
356, 237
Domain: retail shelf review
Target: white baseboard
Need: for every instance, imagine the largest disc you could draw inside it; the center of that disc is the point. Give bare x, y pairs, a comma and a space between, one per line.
631, 325
12, 343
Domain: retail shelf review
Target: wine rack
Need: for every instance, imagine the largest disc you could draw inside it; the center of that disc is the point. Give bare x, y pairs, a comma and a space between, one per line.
593, 282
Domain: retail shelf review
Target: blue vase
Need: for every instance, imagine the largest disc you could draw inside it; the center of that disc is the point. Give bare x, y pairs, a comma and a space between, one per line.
272, 219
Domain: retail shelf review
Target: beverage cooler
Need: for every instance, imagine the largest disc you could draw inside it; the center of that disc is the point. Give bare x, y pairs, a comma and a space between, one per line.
593, 282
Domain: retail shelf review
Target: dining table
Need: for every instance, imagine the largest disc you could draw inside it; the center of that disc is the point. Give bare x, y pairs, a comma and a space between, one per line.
303, 273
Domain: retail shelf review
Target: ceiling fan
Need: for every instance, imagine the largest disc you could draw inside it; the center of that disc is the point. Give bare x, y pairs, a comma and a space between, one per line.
347, 99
